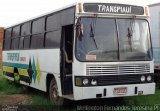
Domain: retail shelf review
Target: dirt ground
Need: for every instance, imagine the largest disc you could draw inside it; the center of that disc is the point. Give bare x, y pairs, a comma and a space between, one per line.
15, 99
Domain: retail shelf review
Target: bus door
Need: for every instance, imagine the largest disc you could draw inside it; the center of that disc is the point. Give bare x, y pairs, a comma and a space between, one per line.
66, 59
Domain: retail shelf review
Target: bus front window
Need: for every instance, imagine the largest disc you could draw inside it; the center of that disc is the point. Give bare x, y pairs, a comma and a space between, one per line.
102, 39
134, 39
98, 41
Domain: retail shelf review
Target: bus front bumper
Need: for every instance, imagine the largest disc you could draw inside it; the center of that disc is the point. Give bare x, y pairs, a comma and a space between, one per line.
81, 93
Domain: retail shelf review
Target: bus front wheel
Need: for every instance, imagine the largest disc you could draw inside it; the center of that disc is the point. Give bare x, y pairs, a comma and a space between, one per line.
53, 93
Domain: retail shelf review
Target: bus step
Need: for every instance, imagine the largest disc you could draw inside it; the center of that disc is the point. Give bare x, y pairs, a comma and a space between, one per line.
69, 96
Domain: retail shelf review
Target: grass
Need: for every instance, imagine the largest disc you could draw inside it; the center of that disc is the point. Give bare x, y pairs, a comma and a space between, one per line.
144, 100
42, 102
9, 87
39, 100
141, 103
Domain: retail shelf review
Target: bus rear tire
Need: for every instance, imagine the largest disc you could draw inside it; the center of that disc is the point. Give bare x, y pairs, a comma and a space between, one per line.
53, 93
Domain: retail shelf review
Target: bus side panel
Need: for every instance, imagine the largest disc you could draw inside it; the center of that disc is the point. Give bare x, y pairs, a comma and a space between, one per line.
32, 65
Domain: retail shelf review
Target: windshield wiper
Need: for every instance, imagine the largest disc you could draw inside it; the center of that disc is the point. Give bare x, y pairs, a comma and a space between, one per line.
129, 35
92, 35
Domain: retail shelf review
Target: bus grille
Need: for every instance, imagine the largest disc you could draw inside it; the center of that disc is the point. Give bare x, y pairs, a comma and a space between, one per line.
120, 79
94, 69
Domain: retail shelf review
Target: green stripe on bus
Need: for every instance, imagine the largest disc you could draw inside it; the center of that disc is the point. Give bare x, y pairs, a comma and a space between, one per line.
22, 66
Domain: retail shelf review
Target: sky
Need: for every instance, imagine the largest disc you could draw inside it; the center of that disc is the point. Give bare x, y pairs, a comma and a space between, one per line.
16, 11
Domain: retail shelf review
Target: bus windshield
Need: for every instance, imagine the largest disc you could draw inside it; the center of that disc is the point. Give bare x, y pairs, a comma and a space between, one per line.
105, 39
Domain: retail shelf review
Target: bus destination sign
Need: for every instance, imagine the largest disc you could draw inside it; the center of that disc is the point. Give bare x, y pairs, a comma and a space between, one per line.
113, 8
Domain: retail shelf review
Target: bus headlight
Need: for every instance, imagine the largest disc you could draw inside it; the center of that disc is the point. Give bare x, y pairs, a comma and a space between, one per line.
143, 78
94, 82
78, 81
85, 81
149, 78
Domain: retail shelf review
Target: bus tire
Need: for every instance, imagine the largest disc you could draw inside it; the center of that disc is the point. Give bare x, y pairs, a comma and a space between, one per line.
53, 93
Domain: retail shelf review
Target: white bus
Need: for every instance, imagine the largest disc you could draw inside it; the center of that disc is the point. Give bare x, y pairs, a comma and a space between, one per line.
83, 51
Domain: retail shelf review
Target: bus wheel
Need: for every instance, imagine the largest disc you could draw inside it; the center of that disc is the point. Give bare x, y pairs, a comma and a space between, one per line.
53, 93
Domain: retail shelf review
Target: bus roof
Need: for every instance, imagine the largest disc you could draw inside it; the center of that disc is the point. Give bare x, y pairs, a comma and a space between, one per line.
48, 13
112, 1
72, 5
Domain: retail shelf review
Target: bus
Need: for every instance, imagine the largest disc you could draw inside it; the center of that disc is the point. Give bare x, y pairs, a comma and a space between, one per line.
83, 51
